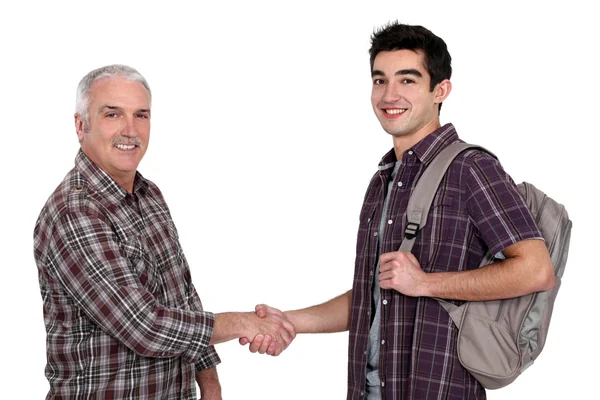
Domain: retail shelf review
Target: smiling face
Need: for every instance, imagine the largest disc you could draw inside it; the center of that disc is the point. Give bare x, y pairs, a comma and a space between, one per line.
401, 95
118, 132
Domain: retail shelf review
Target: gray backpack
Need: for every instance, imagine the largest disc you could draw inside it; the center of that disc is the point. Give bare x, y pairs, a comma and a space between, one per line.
497, 340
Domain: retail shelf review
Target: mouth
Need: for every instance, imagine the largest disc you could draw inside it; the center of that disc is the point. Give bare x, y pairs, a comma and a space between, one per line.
393, 112
125, 147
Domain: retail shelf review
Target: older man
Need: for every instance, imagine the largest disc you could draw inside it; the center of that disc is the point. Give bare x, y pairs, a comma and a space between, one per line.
123, 319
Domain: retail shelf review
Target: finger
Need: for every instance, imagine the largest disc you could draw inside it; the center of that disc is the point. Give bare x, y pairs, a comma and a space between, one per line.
265, 344
385, 276
261, 310
256, 342
385, 257
286, 337
387, 284
278, 349
244, 341
384, 267
272, 348
290, 327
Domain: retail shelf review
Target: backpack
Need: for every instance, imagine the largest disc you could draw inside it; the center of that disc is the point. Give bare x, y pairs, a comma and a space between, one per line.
497, 340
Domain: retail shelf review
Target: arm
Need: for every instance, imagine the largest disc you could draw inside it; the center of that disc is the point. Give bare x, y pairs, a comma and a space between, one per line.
527, 269
328, 317
208, 381
503, 221
104, 277
331, 316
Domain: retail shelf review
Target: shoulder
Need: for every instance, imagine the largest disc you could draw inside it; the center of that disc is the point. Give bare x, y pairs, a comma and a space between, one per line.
72, 196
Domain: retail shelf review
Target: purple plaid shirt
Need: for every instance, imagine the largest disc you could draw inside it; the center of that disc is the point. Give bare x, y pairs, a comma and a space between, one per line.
122, 317
476, 208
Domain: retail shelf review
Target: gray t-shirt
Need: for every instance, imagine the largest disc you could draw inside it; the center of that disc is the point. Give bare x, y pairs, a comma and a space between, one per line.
373, 390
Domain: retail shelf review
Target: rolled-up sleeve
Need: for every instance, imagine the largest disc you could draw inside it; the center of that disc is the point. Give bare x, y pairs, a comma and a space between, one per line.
210, 358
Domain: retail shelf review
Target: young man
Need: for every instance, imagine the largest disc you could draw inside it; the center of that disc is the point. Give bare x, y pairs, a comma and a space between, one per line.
123, 319
402, 342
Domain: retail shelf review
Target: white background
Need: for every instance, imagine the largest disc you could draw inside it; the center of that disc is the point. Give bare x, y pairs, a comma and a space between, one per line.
263, 142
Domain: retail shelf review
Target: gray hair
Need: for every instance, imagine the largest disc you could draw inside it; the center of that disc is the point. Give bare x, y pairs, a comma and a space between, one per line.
82, 99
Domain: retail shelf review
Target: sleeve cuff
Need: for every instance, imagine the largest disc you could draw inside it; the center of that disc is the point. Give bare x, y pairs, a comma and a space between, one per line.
205, 322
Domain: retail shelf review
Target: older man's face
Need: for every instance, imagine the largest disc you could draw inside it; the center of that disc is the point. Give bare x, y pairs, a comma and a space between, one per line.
117, 136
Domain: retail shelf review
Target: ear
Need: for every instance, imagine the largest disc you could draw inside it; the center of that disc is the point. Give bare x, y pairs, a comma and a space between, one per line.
442, 91
79, 126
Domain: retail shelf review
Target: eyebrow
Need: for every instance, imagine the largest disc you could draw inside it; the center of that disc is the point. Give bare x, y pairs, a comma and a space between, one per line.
119, 108
400, 72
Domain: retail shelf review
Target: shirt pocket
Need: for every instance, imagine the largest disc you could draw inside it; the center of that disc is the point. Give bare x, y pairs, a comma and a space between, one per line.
436, 229
365, 229
142, 262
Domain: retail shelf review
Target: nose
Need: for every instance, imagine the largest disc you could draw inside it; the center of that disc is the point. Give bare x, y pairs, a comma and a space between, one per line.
129, 129
391, 93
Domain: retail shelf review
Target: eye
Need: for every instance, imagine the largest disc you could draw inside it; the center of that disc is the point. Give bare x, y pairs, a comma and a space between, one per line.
378, 81
407, 81
111, 115
143, 116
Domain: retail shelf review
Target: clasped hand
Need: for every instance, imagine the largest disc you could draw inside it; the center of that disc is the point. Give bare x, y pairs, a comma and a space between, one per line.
402, 272
275, 333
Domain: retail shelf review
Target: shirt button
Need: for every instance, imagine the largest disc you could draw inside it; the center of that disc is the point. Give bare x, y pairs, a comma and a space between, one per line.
399, 184
362, 394
390, 222
383, 342
375, 234
368, 219
410, 152
365, 353
384, 302
382, 384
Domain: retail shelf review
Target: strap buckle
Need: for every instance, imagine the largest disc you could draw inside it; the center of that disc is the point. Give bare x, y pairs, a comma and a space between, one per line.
411, 230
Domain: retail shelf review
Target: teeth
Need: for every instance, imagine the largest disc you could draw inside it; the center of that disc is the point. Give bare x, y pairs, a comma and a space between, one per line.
125, 146
395, 111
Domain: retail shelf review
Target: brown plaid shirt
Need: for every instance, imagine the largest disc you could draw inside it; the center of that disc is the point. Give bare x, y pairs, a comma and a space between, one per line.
122, 317
476, 208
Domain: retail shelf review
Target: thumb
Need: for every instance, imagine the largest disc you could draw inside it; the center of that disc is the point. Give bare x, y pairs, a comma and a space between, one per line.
261, 310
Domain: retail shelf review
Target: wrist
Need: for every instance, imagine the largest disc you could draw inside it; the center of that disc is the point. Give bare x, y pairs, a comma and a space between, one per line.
428, 284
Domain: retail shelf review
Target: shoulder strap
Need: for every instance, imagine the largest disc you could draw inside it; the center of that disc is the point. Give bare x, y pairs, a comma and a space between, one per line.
420, 203
423, 194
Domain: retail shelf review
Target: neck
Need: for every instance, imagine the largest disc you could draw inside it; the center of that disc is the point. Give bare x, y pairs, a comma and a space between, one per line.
404, 142
125, 182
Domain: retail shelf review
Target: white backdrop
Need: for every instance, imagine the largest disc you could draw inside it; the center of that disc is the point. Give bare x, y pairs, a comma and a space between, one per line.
263, 142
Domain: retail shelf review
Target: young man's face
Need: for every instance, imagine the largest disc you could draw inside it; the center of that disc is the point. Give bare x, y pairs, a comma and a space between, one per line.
401, 97
119, 126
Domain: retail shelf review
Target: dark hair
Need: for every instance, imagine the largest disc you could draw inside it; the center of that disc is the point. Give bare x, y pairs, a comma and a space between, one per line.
396, 36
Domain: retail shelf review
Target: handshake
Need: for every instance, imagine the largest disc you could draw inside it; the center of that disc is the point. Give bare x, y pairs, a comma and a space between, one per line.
270, 329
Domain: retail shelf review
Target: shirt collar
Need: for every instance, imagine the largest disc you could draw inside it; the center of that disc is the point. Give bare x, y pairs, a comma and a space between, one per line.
100, 181
436, 141
427, 148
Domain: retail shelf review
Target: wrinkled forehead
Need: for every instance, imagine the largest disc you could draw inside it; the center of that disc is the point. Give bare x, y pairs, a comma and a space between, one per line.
120, 92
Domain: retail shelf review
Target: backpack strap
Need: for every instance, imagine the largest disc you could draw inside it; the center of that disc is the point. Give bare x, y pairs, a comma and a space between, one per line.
423, 194
422, 197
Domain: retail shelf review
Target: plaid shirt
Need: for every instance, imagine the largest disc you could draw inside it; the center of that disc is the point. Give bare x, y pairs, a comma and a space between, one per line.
476, 208
122, 317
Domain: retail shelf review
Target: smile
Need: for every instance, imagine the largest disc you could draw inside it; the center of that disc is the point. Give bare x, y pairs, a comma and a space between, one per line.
395, 111
125, 146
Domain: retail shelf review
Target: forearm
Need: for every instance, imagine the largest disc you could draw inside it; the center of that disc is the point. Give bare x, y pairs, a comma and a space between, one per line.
331, 316
208, 381
520, 274
229, 326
